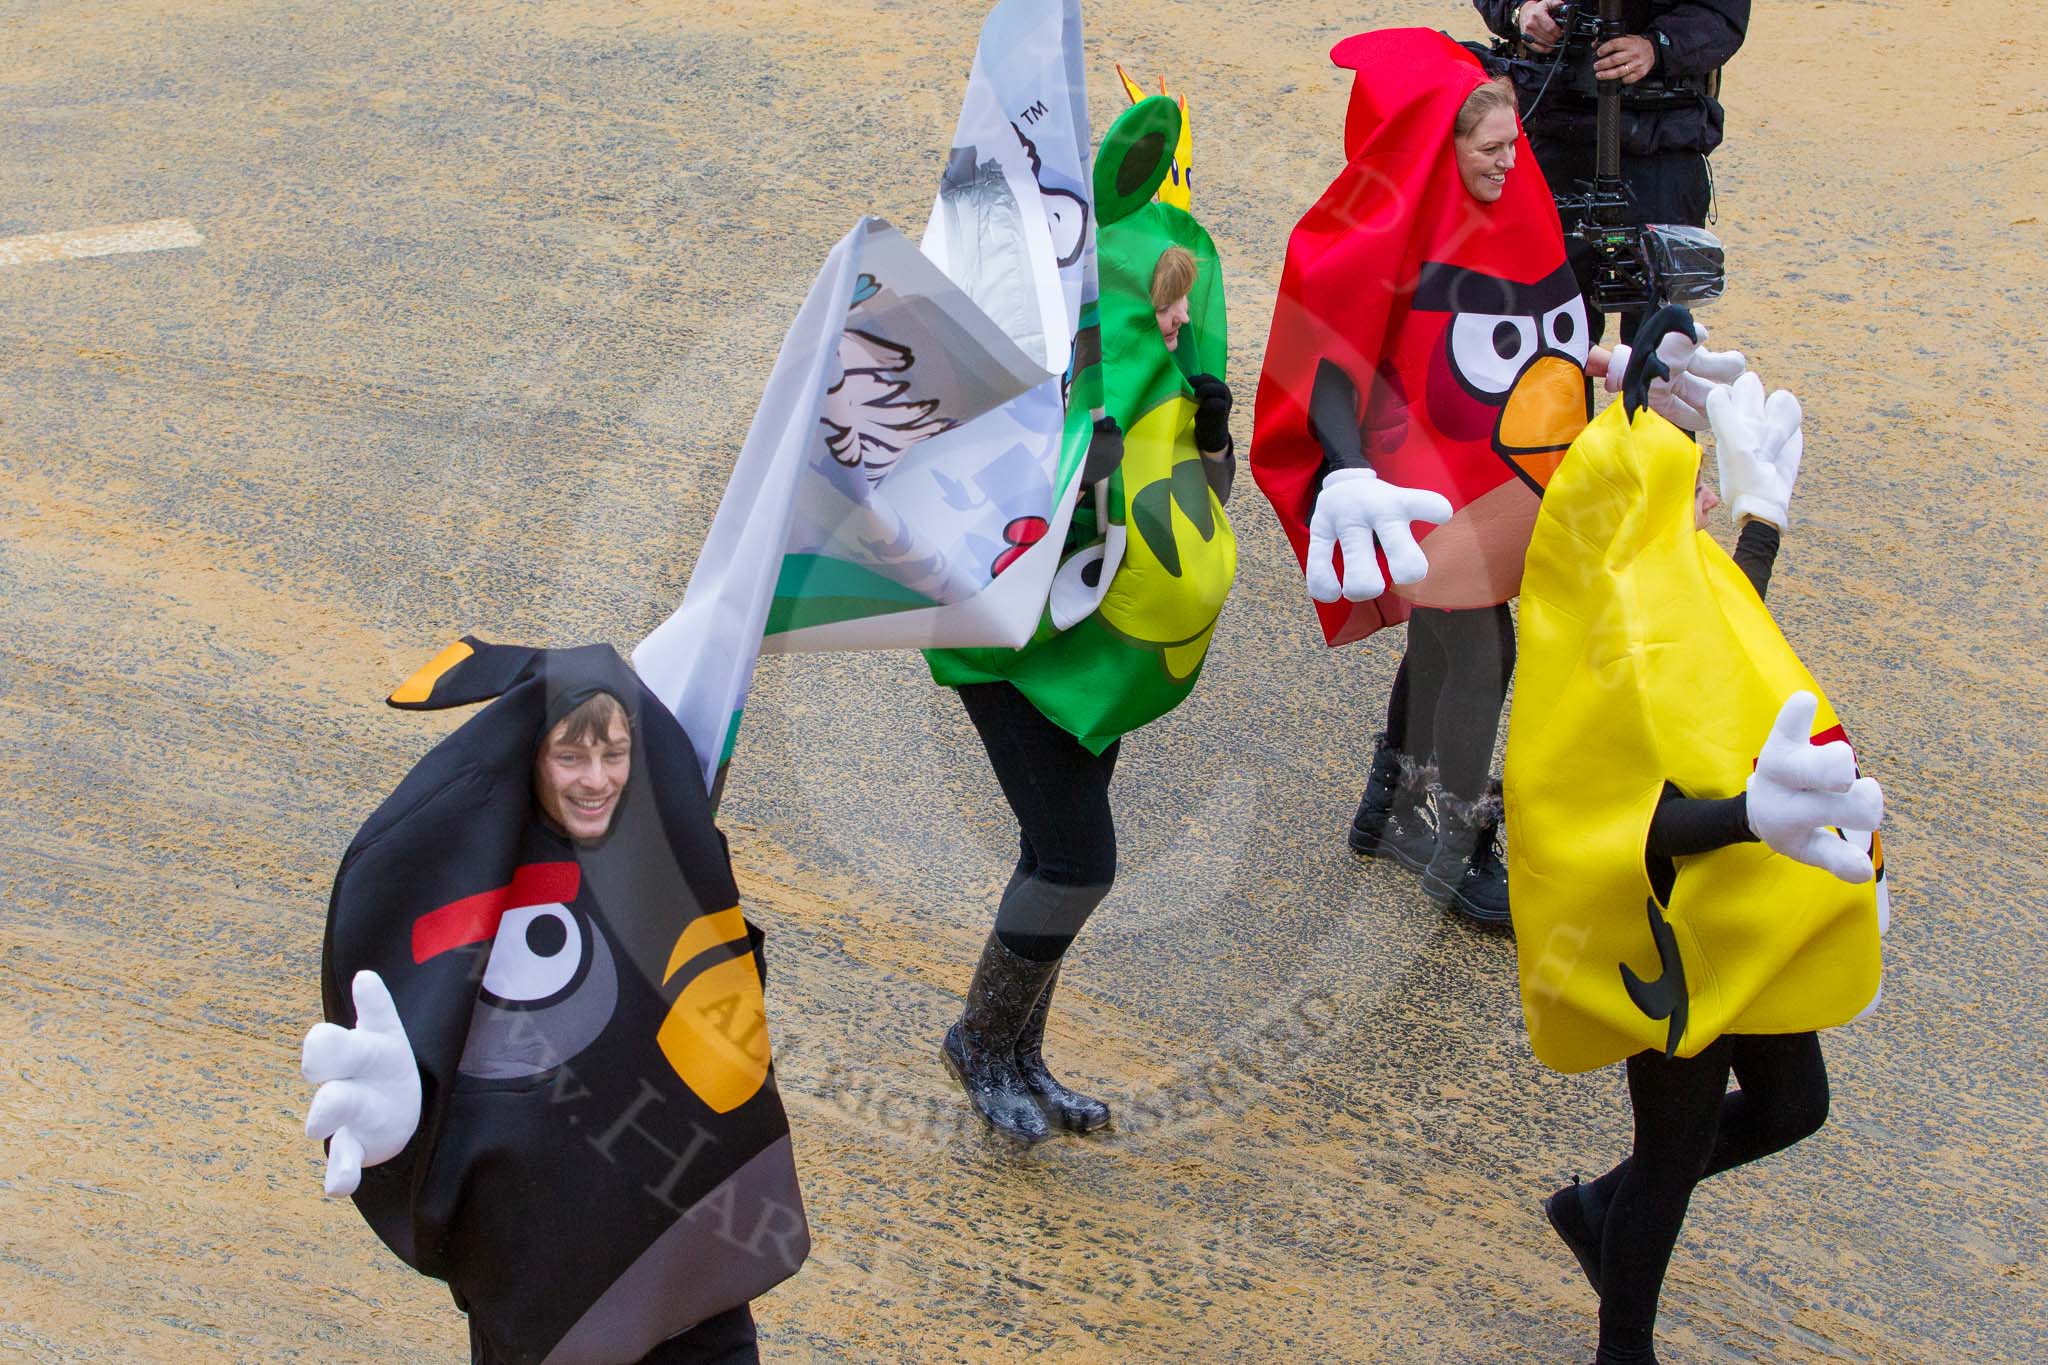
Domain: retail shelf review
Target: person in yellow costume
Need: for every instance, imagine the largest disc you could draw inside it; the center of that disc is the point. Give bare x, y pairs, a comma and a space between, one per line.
1689, 888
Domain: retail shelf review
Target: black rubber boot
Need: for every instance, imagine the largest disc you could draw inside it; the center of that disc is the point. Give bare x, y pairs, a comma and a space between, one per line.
1466, 874
981, 1049
1609, 1355
1068, 1109
1393, 816
1573, 1218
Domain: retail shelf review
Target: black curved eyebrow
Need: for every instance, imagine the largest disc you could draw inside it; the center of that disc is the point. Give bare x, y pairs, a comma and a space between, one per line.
1444, 288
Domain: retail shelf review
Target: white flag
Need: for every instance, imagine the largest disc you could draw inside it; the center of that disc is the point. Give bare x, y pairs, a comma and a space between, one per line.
910, 473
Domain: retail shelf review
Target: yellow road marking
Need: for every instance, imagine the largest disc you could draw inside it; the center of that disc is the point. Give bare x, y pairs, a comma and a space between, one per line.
162, 234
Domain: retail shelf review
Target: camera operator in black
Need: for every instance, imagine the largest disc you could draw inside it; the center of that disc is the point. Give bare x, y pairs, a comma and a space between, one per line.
1668, 62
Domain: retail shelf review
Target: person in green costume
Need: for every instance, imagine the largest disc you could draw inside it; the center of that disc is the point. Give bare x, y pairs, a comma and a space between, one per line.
1131, 613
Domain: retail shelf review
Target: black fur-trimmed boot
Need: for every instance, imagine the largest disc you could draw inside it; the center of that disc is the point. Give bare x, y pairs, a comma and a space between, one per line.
1466, 874
1065, 1108
981, 1049
1393, 816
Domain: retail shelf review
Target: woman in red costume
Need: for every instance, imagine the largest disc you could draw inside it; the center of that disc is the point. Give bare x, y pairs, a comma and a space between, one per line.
1427, 365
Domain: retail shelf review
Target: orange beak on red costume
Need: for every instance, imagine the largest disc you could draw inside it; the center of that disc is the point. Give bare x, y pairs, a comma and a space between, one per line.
1506, 367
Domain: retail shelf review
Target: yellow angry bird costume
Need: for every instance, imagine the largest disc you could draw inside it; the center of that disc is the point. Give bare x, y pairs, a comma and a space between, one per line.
1646, 657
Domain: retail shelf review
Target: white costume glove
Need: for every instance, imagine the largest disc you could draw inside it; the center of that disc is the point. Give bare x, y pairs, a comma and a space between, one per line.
1354, 509
369, 1096
1759, 444
1800, 789
1696, 373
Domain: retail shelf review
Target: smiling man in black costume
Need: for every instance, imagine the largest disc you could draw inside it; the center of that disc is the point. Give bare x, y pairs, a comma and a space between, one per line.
557, 1095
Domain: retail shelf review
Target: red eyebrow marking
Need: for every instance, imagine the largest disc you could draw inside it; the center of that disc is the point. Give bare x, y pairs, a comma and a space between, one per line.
1827, 736
475, 918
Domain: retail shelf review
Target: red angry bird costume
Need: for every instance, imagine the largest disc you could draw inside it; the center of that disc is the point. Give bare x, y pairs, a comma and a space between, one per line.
1455, 324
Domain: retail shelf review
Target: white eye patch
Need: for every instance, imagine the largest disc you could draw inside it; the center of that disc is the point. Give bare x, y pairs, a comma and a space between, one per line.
1490, 349
535, 955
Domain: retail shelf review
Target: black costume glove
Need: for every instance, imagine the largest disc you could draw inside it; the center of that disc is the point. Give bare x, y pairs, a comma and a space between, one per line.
1212, 412
1105, 452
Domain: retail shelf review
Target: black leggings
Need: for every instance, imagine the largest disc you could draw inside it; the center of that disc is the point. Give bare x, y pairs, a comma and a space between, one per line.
1066, 835
724, 1339
1449, 690
1689, 1126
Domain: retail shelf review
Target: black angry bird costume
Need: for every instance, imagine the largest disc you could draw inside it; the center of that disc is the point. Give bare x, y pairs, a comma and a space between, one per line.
602, 1160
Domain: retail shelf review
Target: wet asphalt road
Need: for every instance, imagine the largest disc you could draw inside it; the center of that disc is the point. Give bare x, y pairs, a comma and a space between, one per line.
483, 306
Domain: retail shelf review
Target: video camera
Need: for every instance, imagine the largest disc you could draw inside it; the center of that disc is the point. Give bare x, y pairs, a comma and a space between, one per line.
1636, 267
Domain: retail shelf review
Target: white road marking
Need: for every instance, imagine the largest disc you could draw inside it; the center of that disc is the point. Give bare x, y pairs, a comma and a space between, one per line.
164, 234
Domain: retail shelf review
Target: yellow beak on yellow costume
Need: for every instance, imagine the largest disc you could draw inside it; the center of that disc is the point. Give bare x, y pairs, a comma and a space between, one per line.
1646, 656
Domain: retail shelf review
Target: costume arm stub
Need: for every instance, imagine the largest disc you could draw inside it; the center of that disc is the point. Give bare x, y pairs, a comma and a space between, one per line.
1333, 418
1756, 550
1221, 470
1684, 826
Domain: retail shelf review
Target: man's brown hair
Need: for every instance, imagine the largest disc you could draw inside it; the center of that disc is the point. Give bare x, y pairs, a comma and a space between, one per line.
591, 721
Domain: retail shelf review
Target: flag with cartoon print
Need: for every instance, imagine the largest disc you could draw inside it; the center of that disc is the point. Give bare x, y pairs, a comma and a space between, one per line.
1152, 556
911, 470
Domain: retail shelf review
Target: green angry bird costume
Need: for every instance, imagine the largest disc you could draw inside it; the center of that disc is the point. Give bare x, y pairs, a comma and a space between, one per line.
1151, 555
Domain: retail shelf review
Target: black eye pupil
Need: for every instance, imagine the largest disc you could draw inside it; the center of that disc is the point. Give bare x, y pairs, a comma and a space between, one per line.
1564, 327
546, 935
1139, 162
1507, 340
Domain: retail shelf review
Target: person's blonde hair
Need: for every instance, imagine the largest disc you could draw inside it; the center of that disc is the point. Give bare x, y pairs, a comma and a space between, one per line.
1498, 93
1173, 278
